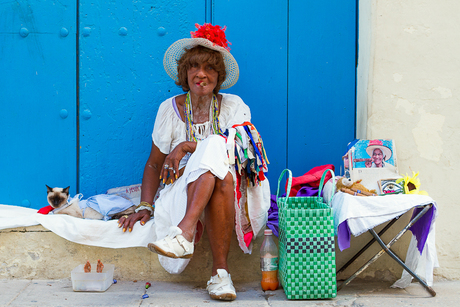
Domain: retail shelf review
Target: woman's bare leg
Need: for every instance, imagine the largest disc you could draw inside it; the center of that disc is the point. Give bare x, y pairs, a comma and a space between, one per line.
217, 198
198, 195
220, 220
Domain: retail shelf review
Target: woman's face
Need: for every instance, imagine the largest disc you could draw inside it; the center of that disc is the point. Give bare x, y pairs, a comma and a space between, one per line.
377, 156
202, 79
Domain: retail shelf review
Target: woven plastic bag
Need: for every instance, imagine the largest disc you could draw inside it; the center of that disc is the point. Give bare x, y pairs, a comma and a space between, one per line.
306, 243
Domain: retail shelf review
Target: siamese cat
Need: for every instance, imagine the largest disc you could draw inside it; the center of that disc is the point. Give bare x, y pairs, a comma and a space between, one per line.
57, 198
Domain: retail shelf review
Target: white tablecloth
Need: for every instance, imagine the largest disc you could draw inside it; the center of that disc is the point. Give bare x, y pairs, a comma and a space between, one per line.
360, 214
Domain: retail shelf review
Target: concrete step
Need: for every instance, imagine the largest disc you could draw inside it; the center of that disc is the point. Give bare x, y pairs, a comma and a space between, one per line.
37, 253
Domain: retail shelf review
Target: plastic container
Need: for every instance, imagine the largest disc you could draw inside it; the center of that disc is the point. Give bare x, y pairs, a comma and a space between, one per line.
93, 281
269, 262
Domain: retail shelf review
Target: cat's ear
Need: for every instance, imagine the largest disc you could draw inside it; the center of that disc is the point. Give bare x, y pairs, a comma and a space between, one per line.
49, 189
66, 190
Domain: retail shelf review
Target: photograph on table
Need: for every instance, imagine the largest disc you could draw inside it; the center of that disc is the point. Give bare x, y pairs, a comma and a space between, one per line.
373, 154
372, 161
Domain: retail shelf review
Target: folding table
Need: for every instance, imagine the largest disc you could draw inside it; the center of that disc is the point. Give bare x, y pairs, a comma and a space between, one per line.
353, 210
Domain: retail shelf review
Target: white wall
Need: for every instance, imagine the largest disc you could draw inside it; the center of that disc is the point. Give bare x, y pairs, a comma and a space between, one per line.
413, 97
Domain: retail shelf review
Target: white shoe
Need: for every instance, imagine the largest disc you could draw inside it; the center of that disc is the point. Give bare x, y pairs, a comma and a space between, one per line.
174, 245
220, 286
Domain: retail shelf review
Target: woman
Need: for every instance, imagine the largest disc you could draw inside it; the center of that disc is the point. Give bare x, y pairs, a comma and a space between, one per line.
189, 178
378, 152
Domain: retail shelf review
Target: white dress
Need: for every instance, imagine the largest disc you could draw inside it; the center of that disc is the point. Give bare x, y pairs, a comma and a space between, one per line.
210, 155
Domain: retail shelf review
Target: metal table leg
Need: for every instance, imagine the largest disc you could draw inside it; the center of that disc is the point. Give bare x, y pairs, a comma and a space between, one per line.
362, 250
386, 249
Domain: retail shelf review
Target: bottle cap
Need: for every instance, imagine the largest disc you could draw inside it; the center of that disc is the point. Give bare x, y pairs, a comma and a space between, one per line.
267, 232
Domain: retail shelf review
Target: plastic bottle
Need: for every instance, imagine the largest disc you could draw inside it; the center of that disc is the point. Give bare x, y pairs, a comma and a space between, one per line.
269, 262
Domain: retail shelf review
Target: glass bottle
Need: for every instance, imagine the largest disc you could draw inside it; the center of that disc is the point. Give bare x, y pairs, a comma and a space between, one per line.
269, 262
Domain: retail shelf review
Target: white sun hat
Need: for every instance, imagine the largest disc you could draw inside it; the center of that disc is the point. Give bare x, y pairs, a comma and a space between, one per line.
209, 36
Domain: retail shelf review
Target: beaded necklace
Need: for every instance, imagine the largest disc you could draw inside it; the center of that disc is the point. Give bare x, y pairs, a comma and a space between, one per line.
215, 128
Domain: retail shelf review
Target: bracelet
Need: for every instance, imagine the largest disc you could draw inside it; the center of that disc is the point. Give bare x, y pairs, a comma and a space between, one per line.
145, 206
144, 203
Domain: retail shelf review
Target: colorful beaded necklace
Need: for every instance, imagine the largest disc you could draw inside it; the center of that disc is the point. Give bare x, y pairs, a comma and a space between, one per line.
215, 128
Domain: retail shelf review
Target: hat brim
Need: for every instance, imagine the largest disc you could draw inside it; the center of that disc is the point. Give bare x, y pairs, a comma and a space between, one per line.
177, 49
386, 151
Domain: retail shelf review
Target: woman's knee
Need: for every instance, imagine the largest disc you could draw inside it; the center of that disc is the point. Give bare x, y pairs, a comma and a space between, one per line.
224, 185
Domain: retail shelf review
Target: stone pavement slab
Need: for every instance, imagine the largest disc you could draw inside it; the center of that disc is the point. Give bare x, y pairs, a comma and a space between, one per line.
129, 293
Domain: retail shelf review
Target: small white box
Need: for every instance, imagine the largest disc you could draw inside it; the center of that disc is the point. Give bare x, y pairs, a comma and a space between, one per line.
93, 281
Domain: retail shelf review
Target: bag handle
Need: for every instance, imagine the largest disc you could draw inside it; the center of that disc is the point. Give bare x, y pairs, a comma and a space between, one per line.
289, 184
322, 183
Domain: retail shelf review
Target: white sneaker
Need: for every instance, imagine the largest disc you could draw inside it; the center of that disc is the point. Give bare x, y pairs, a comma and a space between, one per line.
174, 245
220, 286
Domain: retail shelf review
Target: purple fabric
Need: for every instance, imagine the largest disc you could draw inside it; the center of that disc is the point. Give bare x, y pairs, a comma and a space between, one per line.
343, 236
273, 217
421, 228
175, 106
273, 222
307, 191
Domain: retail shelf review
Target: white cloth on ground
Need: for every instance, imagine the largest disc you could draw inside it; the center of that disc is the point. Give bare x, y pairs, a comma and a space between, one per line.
82, 231
422, 265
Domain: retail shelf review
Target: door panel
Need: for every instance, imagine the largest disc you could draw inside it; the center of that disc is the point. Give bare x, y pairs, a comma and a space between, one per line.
297, 73
122, 83
38, 100
259, 44
321, 110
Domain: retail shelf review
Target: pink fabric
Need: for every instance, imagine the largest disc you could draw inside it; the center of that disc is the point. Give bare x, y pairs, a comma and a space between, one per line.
248, 238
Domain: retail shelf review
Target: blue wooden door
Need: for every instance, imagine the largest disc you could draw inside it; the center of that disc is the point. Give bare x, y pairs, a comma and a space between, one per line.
122, 83
259, 38
297, 73
321, 90
37, 99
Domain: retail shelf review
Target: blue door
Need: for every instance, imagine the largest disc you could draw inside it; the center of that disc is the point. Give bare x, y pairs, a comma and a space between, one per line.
321, 91
122, 83
38, 100
297, 73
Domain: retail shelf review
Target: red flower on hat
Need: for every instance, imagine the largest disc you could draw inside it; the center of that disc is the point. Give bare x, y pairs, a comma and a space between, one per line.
215, 34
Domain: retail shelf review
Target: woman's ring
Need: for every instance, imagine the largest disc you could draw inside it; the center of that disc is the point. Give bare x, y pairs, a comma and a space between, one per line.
166, 166
172, 168
125, 216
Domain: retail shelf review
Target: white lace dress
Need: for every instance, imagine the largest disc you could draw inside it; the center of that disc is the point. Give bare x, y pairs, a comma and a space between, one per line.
210, 155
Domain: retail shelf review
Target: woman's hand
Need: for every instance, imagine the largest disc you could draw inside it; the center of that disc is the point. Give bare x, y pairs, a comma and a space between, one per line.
127, 222
170, 168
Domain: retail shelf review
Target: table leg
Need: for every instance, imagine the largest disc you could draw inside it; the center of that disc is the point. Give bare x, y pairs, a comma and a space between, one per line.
387, 247
346, 265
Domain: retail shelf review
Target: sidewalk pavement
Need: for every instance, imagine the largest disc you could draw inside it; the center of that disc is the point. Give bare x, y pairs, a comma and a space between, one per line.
21, 292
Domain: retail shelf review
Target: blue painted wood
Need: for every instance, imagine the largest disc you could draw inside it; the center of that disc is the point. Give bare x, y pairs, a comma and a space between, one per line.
258, 34
123, 82
321, 71
297, 75
38, 100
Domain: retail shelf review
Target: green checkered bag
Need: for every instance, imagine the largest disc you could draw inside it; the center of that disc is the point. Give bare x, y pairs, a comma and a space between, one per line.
306, 244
